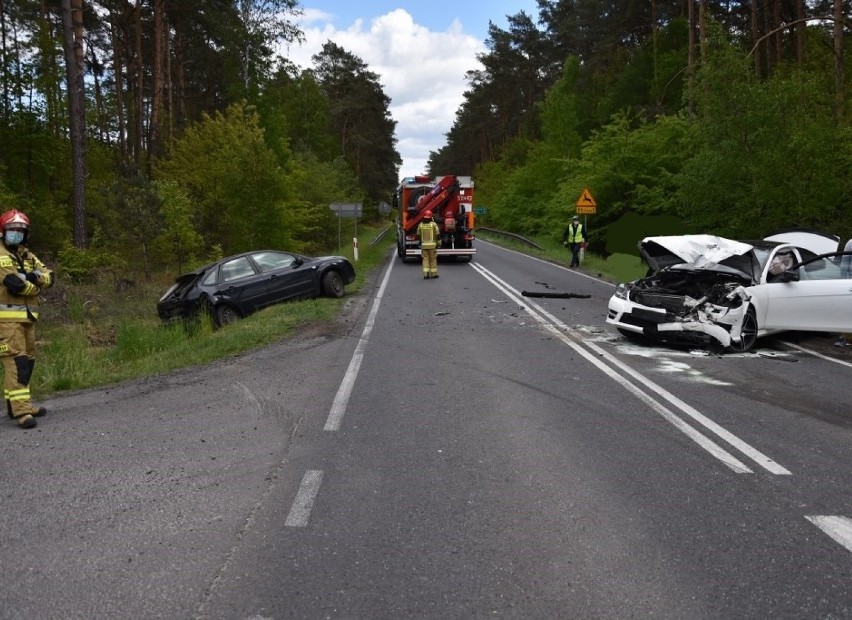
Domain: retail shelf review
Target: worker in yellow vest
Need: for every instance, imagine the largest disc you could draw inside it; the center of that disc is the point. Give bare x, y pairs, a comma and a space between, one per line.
574, 238
429, 233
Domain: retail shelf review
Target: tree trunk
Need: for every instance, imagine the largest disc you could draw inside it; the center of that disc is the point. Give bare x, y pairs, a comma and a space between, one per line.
767, 44
101, 113
755, 36
140, 86
180, 68
116, 19
779, 34
4, 63
691, 61
839, 87
157, 81
72, 27
800, 32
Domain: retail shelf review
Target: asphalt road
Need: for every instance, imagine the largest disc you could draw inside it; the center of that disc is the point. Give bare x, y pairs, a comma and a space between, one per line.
450, 448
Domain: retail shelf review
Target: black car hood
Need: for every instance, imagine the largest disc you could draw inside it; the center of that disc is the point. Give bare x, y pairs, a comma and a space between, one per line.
700, 253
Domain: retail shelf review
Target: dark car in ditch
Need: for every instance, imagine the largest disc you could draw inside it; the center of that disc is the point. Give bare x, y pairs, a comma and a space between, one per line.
236, 286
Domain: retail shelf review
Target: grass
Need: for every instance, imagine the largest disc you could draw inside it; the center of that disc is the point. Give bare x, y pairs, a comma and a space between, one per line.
94, 335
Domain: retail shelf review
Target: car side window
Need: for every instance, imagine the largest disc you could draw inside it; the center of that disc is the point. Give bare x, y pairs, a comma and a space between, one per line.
823, 268
269, 261
210, 278
236, 269
846, 265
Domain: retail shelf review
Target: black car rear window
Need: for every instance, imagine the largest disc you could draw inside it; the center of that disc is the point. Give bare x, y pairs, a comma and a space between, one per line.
184, 283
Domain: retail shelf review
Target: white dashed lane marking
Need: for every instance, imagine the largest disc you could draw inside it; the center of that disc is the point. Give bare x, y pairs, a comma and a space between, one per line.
839, 528
300, 511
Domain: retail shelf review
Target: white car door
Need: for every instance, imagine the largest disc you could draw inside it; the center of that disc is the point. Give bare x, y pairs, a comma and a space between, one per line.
821, 300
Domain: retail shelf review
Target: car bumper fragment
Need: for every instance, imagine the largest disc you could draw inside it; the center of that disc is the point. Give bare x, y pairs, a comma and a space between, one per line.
720, 323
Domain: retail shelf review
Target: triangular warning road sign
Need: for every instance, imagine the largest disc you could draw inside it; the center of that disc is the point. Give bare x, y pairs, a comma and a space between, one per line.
585, 199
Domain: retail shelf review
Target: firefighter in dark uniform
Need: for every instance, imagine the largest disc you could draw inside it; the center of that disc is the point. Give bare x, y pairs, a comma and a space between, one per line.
428, 232
23, 277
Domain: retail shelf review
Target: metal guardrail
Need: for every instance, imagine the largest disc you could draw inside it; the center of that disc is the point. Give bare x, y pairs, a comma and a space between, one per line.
503, 233
380, 236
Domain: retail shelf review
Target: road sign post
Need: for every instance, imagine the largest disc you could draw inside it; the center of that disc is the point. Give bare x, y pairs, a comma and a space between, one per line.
586, 205
347, 210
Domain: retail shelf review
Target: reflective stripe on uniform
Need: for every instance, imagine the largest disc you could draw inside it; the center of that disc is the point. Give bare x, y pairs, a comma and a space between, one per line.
18, 395
17, 314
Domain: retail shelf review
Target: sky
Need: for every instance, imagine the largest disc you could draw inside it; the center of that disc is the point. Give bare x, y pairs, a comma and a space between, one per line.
421, 51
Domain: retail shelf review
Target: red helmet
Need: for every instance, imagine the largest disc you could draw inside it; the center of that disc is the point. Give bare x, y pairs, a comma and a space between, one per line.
14, 219
426, 213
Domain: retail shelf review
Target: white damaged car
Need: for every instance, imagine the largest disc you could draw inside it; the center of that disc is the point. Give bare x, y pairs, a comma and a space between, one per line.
704, 289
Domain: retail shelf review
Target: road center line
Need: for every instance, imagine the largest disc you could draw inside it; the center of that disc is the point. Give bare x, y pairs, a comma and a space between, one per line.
300, 511
557, 327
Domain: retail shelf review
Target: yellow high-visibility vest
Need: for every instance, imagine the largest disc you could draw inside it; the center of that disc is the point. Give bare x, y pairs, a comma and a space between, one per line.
428, 233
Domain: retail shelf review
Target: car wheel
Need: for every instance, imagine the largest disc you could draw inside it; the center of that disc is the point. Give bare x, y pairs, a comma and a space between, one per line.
632, 336
332, 284
225, 315
748, 334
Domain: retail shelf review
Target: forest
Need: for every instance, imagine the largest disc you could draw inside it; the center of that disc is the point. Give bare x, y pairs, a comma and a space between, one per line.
728, 118
149, 135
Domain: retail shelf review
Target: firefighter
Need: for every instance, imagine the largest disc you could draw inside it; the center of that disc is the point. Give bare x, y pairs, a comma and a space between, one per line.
23, 276
428, 232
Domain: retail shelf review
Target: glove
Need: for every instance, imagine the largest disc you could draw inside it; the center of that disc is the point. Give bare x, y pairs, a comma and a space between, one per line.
14, 283
565, 243
32, 276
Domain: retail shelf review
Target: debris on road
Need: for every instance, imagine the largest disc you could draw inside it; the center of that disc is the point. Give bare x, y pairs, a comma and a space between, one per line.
554, 295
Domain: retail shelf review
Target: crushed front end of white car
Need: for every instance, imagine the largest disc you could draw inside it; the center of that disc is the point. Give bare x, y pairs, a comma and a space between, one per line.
696, 293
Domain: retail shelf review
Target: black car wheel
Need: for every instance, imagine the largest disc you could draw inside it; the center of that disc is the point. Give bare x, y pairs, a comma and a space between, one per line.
748, 334
332, 284
225, 315
633, 336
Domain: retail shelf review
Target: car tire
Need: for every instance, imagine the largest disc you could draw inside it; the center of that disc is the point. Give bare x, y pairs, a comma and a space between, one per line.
332, 284
632, 336
748, 334
223, 314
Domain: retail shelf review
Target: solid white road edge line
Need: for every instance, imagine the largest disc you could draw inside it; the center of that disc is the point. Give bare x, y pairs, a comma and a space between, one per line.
758, 457
300, 511
754, 454
839, 528
338, 407
707, 444
819, 355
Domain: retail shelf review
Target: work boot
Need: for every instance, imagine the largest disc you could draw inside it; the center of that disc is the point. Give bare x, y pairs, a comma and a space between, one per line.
425, 276
40, 412
26, 421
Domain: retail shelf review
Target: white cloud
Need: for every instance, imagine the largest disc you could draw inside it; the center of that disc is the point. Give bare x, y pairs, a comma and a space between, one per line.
422, 71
